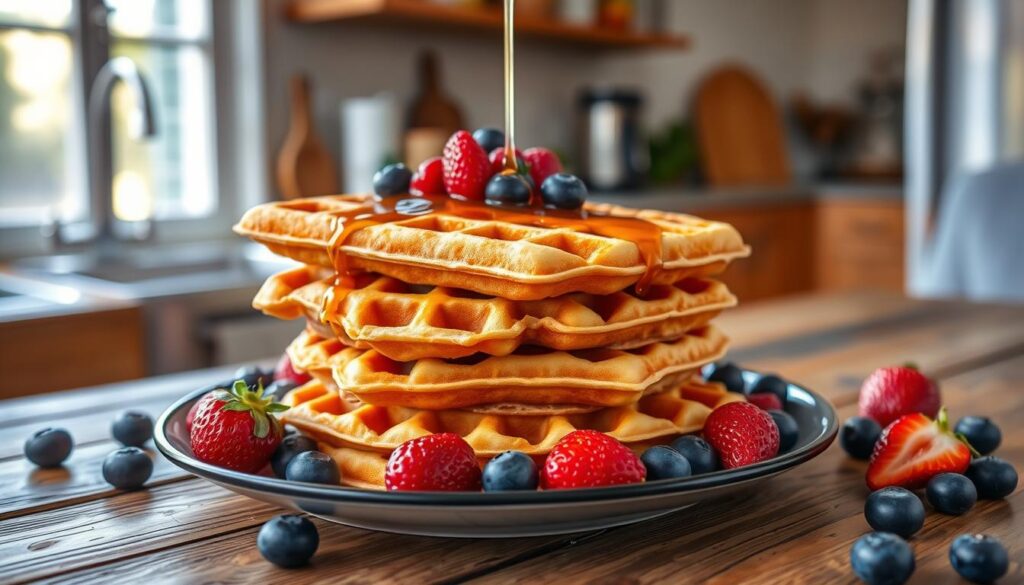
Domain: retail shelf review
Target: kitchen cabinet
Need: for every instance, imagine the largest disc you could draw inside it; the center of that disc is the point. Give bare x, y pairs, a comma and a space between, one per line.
782, 239
832, 241
71, 351
860, 244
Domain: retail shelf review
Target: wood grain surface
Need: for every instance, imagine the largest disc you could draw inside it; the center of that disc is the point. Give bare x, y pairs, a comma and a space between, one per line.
66, 525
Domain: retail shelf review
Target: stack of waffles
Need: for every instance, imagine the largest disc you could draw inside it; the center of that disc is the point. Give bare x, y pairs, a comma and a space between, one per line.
507, 331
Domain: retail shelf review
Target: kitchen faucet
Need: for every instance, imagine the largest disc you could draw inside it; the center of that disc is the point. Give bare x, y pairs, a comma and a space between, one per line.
99, 155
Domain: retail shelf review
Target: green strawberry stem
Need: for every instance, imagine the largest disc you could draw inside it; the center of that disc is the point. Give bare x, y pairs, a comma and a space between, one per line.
241, 399
943, 420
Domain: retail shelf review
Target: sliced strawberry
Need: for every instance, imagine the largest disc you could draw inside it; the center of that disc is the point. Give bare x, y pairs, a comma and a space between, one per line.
466, 168
913, 449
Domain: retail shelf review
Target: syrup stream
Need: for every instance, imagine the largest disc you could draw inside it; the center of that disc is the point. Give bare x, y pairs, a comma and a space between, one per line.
511, 165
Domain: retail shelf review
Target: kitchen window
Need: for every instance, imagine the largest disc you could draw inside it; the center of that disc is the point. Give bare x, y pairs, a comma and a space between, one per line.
51, 51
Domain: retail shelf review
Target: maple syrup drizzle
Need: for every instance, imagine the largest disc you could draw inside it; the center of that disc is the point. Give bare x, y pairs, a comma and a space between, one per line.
646, 235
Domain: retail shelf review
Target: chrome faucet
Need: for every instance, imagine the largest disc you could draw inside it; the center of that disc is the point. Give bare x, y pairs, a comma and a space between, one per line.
99, 155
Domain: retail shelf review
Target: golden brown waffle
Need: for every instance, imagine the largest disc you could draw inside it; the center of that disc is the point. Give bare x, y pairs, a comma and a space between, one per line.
360, 437
489, 256
407, 323
530, 375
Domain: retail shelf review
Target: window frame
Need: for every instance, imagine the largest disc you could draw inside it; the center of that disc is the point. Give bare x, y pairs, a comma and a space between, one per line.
240, 174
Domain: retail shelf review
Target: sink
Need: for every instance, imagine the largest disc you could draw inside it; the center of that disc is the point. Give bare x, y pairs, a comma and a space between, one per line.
138, 273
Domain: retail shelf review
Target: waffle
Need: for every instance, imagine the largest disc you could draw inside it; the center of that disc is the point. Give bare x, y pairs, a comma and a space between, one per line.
530, 375
360, 437
407, 323
488, 256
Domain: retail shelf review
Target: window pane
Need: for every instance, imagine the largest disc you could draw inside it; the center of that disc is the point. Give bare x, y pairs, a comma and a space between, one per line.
185, 19
49, 13
170, 175
40, 140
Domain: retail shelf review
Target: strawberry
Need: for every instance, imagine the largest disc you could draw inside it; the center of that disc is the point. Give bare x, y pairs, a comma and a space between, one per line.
497, 160
590, 459
233, 429
466, 168
889, 393
543, 163
913, 449
765, 401
429, 178
442, 462
742, 434
284, 370
191, 416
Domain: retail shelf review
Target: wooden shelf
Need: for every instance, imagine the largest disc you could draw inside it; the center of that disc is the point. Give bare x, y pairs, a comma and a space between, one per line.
480, 19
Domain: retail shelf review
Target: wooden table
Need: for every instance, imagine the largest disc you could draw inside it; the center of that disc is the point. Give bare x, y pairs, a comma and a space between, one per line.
68, 526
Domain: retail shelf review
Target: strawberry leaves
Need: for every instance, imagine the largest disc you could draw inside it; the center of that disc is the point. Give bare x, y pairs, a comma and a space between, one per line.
256, 402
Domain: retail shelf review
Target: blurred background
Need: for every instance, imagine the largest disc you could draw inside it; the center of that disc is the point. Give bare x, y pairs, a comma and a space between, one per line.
873, 145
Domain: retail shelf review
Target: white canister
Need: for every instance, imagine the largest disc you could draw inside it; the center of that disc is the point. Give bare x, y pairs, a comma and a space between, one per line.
369, 139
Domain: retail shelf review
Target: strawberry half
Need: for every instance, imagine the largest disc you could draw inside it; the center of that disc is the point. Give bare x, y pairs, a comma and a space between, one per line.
913, 449
466, 168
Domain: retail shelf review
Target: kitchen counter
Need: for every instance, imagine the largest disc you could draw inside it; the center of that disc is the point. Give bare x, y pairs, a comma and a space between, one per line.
68, 525
688, 200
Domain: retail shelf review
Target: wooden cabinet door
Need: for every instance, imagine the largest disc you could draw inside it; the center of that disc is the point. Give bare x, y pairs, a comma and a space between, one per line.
782, 242
860, 245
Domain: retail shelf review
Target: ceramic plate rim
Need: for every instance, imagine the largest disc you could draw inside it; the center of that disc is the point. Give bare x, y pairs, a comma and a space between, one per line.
343, 494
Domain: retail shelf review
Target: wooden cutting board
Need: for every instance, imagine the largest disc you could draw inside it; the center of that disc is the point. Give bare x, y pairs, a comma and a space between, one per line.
305, 167
739, 128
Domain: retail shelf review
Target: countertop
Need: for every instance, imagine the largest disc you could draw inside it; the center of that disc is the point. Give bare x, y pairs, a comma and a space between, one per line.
690, 200
67, 525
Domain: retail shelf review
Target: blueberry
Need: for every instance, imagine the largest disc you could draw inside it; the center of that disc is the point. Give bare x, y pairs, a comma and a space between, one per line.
48, 447
896, 510
788, 431
253, 375
392, 180
489, 138
730, 375
665, 463
980, 432
979, 558
132, 428
290, 446
951, 493
281, 387
881, 558
511, 470
563, 191
127, 468
288, 540
858, 436
992, 477
774, 384
507, 190
312, 467
698, 453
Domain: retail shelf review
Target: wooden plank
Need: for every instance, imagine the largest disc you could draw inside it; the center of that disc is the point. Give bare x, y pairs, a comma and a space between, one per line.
107, 398
28, 489
797, 528
221, 528
821, 356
